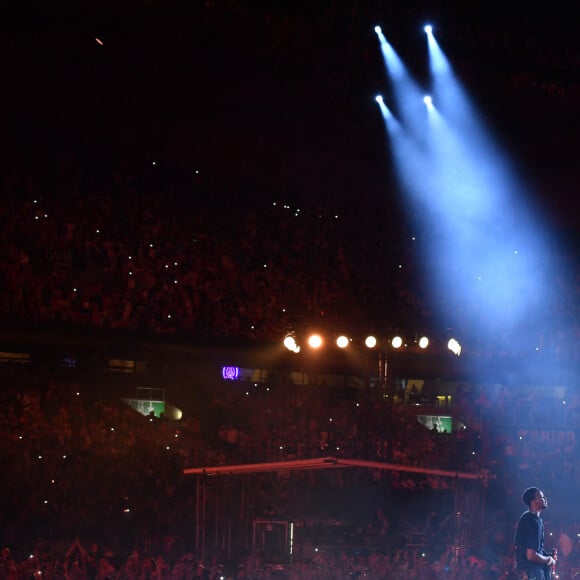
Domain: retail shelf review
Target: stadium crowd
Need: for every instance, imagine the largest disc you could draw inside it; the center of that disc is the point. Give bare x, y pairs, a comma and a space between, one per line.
92, 489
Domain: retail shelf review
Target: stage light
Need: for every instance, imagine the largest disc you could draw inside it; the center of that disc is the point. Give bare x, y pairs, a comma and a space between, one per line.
454, 346
378, 30
342, 341
423, 342
290, 344
379, 99
428, 29
315, 341
397, 342
370, 342
428, 100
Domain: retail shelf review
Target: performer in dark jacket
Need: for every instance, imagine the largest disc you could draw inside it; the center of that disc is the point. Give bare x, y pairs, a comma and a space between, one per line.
529, 539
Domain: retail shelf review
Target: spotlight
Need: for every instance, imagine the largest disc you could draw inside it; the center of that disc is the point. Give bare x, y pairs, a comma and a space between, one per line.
428, 29
342, 341
428, 100
370, 342
315, 341
423, 342
379, 99
290, 344
397, 342
454, 346
378, 30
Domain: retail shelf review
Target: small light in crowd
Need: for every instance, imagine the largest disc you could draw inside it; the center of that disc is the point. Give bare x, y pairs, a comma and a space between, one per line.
130, 273
247, 394
150, 420
338, 448
150, 245
331, 419
34, 201
473, 453
167, 447
563, 402
176, 435
516, 252
74, 289
400, 266
130, 257
98, 231
175, 281
175, 263
78, 394
167, 265
52, 481
267, 388
521, 438
127, 510
335, 217
154, 163
169, 316
19, 436
112, 428
99, 41
358, 404
265, 265
35, 217
40, 457
252, 327
281, 447
45, 501
45, 215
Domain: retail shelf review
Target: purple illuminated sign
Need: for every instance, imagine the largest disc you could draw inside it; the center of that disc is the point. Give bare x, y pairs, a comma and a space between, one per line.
230, 373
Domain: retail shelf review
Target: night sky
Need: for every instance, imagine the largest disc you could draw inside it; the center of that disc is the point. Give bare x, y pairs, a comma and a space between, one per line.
279, 96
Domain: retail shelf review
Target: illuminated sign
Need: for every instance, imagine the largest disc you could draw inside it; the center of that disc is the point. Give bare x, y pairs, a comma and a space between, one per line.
230, 373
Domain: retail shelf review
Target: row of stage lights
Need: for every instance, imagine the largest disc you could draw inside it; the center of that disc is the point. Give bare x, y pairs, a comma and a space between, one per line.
316, 341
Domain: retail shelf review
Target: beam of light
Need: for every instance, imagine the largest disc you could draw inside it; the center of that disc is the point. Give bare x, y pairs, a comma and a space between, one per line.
406, 92
489, 255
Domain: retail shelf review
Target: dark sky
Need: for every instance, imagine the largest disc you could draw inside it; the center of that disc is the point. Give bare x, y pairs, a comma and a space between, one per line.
279, 94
